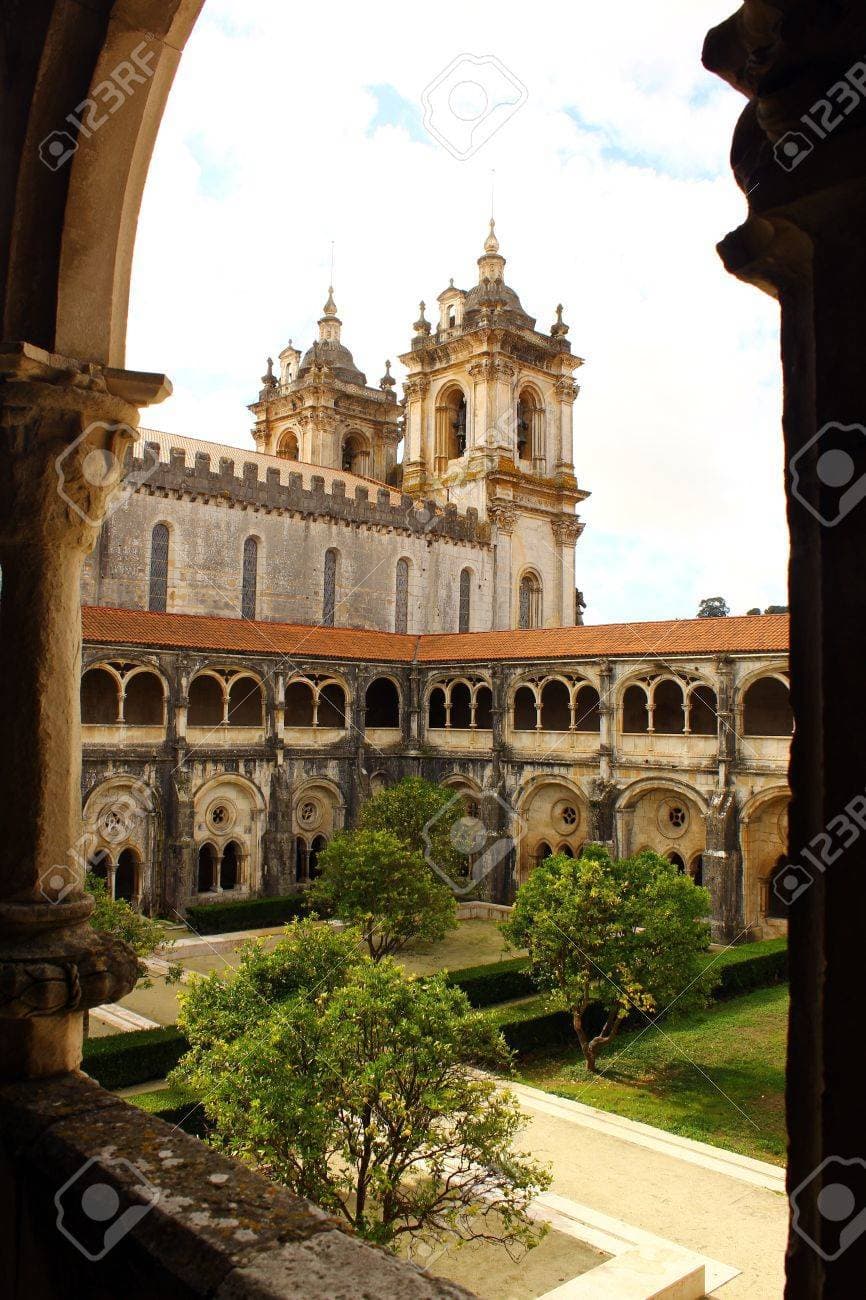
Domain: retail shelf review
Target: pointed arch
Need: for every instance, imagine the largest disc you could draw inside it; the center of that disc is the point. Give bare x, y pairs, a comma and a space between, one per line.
329, 587
401, 596
530, 610
464, 617
249, 578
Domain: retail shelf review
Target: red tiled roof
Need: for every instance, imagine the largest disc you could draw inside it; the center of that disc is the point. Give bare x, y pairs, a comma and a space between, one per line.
755, 633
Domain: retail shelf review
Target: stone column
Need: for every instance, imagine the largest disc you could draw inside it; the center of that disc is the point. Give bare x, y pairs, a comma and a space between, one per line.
801, 161
722, 868
503, 516
607, 721
566, 530
65, 428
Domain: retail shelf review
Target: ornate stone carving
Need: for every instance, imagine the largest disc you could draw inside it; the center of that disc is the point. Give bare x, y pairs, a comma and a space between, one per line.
566, 389
567, 529
416, 388
503, 514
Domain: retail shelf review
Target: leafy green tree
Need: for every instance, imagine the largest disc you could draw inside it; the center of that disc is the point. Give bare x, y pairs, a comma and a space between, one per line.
713, 607
370, 879
311, 959
358, 1091
627, 934
423, 815
115, 916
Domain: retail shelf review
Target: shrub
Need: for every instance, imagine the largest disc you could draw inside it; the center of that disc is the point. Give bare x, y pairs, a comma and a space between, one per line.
500, 981
246, 914
751, 966
122, 1060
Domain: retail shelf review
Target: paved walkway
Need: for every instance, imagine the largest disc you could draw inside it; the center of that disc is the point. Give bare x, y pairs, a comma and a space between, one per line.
715, 1203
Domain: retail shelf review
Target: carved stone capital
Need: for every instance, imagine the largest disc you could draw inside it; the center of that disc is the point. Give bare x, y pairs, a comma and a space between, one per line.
566, 389
503, 515
417, 388
567, 529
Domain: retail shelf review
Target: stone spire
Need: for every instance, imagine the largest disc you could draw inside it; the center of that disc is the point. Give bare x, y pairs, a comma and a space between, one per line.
558, 329
491, 263
387, 381
329, 322
422, 325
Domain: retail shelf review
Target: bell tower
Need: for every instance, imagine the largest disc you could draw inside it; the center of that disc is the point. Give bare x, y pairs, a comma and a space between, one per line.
489, 405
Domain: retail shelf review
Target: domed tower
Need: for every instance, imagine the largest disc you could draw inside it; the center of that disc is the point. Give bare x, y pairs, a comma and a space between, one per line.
321, 410
488, 424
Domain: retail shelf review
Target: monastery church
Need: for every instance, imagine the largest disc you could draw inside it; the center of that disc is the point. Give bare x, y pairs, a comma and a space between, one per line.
272, 635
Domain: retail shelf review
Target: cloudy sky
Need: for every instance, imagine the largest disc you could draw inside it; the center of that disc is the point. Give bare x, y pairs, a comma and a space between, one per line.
292, 126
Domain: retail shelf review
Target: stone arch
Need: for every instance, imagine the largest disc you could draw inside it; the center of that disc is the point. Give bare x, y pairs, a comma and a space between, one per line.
127, 875
355, 452
288, 447
382, 703
556, 711
101, 693
469, 788
764, 840
318, 812
525, 710
300, 703
529, 438
634, 709
554, 810
245, 702
702, 709
587, 708
436, 708
452, 422
123, 813
230, 809
207, 700
765, 707
144, 698
663, 815
668, 706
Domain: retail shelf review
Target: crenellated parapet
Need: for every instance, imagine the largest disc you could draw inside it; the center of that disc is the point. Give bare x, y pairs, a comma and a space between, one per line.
242, 485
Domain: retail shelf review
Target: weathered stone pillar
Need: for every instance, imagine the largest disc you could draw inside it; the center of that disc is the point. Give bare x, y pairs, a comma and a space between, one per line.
799, 155
722, 868
65, 429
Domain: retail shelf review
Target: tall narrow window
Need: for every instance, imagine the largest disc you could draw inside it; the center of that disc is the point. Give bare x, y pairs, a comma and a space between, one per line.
329, 604
465, 600
530, 601
401, 597
250, 576
158, 595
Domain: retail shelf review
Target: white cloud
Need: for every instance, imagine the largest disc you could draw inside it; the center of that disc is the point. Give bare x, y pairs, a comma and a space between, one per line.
612, 188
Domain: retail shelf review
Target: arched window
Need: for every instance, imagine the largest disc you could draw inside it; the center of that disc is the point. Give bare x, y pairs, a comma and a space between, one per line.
525, 709
207, 865
126, 876
401, 597
250, 578
587, 710
301, 860
436, 709
465, 613
245, 703
530, 439
332, 706
703, 710
555, 707
205, 702
99, 865
542, 851
288, 448
778, 899
677, 862
158, 594
635, 713
484, 708
767, 709
229, 866
697, 870
354, 458
669, 715
530, 601
461, 705
382, 704
143, 701
451, 418
299, 704
329, 602
99, 697
318, 844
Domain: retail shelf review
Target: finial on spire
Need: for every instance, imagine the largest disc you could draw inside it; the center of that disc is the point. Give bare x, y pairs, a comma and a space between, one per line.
330, 308
491, 243
558, 329
422, 325
387, 381
269, 379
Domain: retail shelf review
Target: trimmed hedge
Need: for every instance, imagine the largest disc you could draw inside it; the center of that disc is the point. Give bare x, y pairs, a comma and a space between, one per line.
122, 1060
750, 966
501, 981
246, 914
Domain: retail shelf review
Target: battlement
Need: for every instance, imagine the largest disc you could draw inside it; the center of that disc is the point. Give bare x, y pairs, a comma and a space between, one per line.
283, 490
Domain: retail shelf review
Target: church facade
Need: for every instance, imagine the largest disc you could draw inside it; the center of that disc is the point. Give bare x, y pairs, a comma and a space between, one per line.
271, 635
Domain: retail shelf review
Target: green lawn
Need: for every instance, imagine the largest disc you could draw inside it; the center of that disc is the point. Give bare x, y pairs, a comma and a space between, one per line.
717, 1076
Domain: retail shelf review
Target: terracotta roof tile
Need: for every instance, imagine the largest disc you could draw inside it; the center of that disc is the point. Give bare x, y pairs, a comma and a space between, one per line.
756, 633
